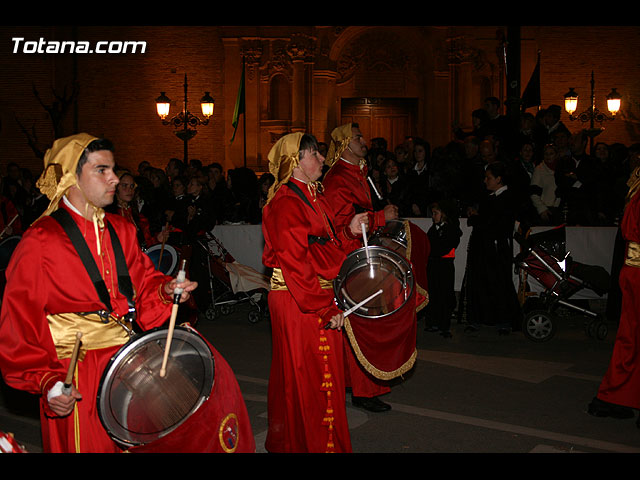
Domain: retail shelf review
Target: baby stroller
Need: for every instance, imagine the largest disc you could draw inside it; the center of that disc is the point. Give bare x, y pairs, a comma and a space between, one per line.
544, 257
231, 283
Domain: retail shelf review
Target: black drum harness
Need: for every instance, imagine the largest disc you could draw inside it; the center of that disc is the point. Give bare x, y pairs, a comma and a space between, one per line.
125, 285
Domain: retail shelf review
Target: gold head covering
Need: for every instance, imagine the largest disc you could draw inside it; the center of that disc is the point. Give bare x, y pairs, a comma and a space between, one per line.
340, 138
60, 163
284, 156
59, 175
633, 183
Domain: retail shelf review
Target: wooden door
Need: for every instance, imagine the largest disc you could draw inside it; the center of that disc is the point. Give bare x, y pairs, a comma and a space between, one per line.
390, 118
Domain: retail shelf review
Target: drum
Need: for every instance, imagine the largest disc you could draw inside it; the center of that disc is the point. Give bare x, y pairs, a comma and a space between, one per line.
369, 269
169, 261
138, 407
392, 236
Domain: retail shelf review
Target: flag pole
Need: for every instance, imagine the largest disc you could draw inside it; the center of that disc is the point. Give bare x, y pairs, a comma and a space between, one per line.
244, 115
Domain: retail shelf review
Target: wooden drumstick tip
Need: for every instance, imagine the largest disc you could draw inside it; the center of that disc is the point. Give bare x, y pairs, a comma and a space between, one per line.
72, 365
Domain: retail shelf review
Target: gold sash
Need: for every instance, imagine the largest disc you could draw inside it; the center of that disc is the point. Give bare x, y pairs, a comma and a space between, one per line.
96, 334
278, 283
633, 254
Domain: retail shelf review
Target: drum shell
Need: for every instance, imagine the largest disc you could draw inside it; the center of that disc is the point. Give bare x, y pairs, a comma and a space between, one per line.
219, 425
369, 269
132, 397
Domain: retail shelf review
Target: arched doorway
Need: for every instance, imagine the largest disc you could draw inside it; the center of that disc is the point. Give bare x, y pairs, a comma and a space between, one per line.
390, 118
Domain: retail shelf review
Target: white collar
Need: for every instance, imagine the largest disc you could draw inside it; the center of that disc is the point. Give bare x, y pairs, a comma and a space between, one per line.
499, 191
68, 203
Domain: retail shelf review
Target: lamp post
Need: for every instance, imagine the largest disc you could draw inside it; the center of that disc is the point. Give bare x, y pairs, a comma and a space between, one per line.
592, 114
185, 122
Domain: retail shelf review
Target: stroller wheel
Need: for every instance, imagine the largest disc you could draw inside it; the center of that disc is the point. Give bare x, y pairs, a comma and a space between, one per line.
210, 313
254, 316
601, 331
539, 326
597, 329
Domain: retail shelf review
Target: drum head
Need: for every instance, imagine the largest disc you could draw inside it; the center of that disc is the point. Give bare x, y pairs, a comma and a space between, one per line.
167, 264
367, 270
135, 404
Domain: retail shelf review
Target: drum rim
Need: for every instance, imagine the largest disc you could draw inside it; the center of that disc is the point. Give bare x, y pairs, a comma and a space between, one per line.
337, 282
167, 248
135, 341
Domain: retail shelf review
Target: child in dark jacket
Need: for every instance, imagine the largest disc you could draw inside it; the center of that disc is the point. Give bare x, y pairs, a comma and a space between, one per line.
444, 237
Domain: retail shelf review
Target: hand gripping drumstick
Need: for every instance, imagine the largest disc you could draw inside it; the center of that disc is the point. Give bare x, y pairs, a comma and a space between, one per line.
66, 388
174, 313
346, 313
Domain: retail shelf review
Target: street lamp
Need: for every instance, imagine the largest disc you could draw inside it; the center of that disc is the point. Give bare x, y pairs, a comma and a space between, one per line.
185, 122
592, 114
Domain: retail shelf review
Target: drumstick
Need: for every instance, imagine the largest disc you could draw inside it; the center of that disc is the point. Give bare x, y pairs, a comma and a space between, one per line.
162, 247
374, 188
8, 225
172, 321
364, 239
66, 389
348, 312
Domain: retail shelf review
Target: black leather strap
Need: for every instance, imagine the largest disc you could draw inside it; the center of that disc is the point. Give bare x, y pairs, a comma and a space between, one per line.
124, 280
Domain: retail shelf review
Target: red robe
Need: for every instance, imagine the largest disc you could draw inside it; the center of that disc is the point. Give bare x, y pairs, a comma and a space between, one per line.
621, 383
46, 276
306, 395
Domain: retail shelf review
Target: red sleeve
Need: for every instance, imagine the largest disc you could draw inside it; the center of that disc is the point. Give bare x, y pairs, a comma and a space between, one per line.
28, 358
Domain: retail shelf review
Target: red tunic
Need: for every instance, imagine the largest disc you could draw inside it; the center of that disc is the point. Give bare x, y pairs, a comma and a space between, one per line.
345, 186
621, 383
306, 395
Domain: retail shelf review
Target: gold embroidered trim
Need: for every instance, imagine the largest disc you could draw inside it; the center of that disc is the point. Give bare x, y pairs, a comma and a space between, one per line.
633, 254
421, 290
376, 372
278, 283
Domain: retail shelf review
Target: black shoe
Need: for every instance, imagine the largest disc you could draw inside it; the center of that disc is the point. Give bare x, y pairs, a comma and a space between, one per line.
373, 404
600, 408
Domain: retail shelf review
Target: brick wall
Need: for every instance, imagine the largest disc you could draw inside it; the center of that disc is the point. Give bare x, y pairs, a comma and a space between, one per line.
117, 92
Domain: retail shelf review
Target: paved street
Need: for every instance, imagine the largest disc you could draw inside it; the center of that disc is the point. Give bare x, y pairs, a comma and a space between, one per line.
473, 393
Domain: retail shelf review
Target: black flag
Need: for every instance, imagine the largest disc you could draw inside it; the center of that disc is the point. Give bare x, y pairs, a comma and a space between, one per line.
531, 94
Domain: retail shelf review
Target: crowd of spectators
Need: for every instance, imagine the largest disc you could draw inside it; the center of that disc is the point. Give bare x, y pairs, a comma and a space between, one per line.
551, 172
553, 175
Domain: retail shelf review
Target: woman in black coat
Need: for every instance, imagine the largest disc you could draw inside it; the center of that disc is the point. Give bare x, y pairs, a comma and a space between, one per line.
491, 295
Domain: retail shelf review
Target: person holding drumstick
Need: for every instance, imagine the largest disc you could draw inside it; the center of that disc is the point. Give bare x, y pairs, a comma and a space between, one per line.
50, 296
306, 394
348, 191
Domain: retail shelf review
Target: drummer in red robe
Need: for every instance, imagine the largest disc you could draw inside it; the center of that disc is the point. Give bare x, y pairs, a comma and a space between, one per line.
49, 296
306, 394
617, 395
347, 189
